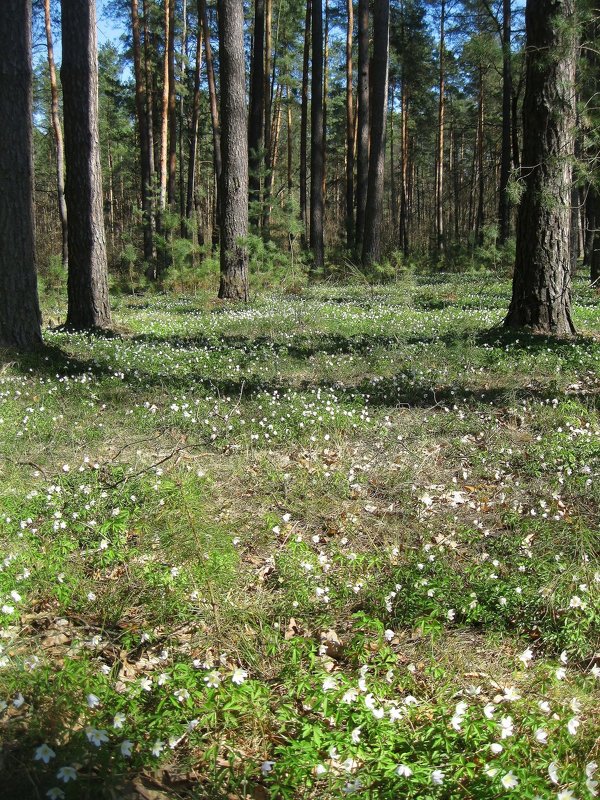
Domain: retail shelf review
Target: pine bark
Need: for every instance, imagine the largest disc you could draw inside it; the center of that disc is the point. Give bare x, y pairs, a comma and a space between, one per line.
20, 320
142, 120
164, 116
58, 137
88, 301
191, 181
304, 123
371, 252
234, 151
362, 159
214, 106
256, 120
316, 160
172, 110
349, 130
506, 146
439, 184
541, 299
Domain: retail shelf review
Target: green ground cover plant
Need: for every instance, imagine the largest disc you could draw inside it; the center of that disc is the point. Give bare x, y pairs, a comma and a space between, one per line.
341, 542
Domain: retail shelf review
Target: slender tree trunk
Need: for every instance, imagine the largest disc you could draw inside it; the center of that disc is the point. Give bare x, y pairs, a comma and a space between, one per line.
269, 80
256, 121
404, 241
182, 192
304, 123
325, 99
394, 196
349, 130
505, 151
374, 211
20, 319
290, 146
541, 297
214, 107
362, 174
439, 187
172, 110
88, 302
234, 144
164, 130
58, 137
593, 209
480, 218
316, 161
191, 181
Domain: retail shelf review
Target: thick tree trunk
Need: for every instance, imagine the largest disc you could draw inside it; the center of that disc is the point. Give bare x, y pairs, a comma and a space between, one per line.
88, 302
316, 160
191, 181
362, 165
349, 130
142, 119
541, 297
304, 123
234, 146
374, 211
20, 320
506, 147
58, 137
256, 118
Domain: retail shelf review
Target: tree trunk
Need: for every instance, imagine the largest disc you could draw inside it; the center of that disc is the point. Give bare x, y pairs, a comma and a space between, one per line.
439, 183
316, 159
142, 119
88, 302
404, 241
374, 211
349, 130
20, 319
234, 145
164, 124
506, 147
541, 296
304, 122
362, 171
256, 120
214, 107
191, 181
325, 93
479, 219
58, 138
172, 110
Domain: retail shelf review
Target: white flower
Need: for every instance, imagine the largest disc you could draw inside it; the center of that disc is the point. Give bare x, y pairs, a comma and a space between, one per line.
355, 736
590, 769
510, 694
403, 771
378, 713
576, 602
55, 793
572, 725
44, 753
567, 794
564, 657
239, 676
389, 635
66, 774
451, 613
437, 777
553, 772
509, 781
95, 736
91, 596
330, 683
488, 710
544, 706
212, 679
181, 694
146, 684
18, 701
266, 767
592, 787
560, 673
541, 736
526, 656
496, 748
350, 696
126, 748
157, 748
506, 727
118, 719
93, 701
395, 714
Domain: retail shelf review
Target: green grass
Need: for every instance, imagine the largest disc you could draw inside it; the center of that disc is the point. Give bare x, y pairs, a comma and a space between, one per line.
318, 546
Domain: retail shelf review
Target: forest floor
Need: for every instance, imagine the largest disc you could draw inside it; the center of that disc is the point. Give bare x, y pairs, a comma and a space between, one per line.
339, 543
